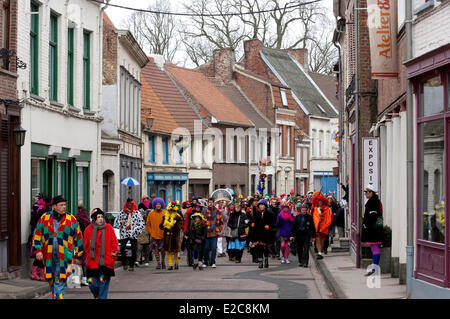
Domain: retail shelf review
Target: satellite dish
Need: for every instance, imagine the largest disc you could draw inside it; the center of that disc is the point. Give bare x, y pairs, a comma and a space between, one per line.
221, 194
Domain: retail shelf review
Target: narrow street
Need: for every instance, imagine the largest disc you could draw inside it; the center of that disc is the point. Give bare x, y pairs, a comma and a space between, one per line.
228, 281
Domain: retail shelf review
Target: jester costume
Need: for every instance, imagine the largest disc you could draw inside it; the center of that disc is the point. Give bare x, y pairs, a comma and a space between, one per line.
59, 238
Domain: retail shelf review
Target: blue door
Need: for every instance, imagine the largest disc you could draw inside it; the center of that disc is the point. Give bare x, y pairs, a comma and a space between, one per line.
178, 194
329, 184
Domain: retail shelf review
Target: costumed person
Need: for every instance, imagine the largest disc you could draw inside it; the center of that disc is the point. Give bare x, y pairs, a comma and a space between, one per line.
84, 221
42, 206
284, 223
102, 249
237, 223
172, 224
221, 245
145, 203
130, 224
225, 235
322, 221
274, 209
58, 242
154, 219
143, 251
262, 235
214, 225
372, 225
196, 235
303, 232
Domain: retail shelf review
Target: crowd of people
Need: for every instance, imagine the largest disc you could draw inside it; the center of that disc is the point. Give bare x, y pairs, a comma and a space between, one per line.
203, 229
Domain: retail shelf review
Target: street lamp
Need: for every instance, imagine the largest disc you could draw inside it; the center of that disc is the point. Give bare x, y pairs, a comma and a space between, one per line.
150, 122
19, 136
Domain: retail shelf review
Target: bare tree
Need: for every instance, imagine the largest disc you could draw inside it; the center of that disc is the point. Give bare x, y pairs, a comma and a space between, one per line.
155, 32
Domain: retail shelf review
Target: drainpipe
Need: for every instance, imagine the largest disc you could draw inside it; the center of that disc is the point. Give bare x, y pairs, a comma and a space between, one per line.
410, 157
277, 139
356, 92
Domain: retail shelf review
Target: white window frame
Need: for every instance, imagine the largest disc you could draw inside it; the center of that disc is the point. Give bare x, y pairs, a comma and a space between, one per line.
283, 97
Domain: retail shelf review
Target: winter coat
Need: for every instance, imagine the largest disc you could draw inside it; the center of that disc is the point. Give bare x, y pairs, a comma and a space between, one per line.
258, 223
284, 225
69, 237
214, 222
172, 239
196, 236
275, 211
226, 231
322, 220
339, 220
308, 229
234, 220
136, 227
373, 210
111, 247
187, 219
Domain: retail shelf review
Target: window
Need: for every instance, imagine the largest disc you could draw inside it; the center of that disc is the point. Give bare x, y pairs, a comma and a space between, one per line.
5, 22
86, 70
70, 59
288, 141
298, 159
253, 185
431, 96
165, 146
253, 145
305, 158
320, 143
432, 152
313, 143
280, 150
53, 58
283, 97
151, 148
35, 177
34, 49
83, 185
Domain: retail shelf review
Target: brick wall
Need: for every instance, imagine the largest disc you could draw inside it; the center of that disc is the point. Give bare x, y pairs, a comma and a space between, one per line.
8, 80
110, 50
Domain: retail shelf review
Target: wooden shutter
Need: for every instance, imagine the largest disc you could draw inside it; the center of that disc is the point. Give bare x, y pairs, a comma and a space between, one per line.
4, 180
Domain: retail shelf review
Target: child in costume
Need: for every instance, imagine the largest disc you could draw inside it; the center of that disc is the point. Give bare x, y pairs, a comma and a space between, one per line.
196, 237
172, 224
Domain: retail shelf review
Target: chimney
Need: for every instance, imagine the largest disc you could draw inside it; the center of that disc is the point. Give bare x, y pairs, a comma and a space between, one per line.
223, 64
159, 60
301, 55
251, 51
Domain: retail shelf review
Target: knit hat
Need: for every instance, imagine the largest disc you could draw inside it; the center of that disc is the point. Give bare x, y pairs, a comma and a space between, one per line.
58, 199
95, 212
263, 202
160, 201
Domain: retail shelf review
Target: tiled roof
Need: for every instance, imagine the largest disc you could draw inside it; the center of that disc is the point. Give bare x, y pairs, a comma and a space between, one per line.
231, 91
208, 96
327, 83
170, 96
163, 121
300, 83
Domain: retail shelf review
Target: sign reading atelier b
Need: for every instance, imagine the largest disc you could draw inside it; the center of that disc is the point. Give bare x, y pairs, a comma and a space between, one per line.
382, 23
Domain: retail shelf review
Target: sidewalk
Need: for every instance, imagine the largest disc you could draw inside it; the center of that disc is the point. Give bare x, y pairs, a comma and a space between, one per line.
348, 282
20, 288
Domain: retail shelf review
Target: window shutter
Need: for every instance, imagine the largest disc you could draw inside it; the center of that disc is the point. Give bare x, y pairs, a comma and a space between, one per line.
4, 185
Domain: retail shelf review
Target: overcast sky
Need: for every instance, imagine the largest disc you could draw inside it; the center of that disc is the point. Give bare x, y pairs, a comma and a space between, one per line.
118, 15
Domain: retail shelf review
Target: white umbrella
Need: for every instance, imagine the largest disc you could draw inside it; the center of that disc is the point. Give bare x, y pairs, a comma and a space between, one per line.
129, 181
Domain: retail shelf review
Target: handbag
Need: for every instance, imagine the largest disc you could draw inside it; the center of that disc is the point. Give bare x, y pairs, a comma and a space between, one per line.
235, 232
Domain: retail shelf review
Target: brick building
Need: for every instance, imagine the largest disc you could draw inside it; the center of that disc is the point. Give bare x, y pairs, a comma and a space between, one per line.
10, 173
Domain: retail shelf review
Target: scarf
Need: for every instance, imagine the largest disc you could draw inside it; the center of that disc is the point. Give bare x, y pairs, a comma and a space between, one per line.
101, 257
58, 216
286, 216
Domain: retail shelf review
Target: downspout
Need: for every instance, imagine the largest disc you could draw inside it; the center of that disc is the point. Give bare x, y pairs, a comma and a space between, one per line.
410, 157
356, 92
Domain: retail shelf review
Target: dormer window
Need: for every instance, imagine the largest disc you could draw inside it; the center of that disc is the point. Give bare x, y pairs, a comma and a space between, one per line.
321, 108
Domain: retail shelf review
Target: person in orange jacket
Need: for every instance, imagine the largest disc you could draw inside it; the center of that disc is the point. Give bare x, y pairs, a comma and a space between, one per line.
322, 221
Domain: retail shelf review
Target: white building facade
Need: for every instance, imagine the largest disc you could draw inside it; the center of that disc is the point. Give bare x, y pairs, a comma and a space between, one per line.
60, 92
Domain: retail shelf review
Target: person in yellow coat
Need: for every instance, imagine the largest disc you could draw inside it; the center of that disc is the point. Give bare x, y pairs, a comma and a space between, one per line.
172, 224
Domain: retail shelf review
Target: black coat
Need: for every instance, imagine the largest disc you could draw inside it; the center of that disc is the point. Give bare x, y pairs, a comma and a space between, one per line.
196, 236
257, 225
339, 220
243, 222
373, 210
274, 211
309, 230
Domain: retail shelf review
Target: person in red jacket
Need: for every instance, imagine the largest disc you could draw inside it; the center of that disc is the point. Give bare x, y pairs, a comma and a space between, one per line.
102, 249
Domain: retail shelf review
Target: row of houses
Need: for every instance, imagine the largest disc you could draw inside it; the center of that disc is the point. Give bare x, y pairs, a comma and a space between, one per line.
408, 117
93, 108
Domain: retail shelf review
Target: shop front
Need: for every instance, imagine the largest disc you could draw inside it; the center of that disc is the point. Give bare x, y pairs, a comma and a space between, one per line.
168, 186
430, 75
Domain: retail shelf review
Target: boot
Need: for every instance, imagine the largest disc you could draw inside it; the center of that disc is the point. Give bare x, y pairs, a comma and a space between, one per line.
163, 265
266, 262
260, 264
176, 266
